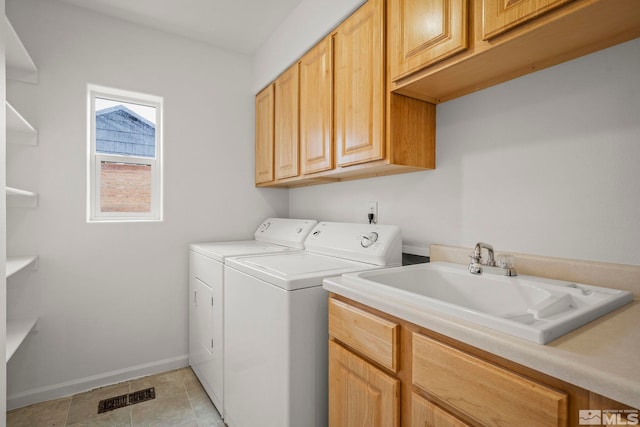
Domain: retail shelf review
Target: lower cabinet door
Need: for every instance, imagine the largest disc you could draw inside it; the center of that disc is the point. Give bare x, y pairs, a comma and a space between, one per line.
487, 393
426, 414
360, 395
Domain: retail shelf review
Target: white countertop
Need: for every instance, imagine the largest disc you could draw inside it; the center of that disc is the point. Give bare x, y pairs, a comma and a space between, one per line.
602, 356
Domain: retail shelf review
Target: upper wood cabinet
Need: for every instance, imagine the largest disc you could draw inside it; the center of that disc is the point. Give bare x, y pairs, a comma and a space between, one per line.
286, 124
499, 15
360, 86
505, 39
316, 109
350, 125
265, 134
422, 33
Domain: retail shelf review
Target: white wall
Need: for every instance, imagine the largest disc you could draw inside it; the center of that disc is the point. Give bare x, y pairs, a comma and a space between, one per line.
545, 164
307, 24
112, 298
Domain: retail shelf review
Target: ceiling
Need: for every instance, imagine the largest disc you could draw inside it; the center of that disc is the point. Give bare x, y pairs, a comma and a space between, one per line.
238, 25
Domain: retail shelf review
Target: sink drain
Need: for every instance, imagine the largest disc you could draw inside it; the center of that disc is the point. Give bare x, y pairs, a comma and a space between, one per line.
117, 402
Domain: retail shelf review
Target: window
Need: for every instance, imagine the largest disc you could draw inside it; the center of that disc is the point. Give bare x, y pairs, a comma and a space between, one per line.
124, 171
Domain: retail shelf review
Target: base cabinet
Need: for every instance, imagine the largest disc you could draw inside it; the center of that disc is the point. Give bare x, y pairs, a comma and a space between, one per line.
361, 394
438, 382
427, 414
484, 392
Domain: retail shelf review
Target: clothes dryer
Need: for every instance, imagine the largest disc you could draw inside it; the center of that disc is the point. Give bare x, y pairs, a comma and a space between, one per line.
206, 294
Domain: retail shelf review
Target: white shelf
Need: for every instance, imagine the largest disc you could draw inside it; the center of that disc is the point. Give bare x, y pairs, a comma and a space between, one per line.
17, 331
20, 66
19, 130
15, 264
17, 198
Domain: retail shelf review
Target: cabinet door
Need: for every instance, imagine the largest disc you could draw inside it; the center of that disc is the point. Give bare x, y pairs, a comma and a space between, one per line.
490, 394
423, 32
426, 414
499, 16
359, 86
316, 148
264, 134
286, 124
360, 395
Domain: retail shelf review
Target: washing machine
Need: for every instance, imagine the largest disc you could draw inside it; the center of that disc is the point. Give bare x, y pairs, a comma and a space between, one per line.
206, 294
275, 323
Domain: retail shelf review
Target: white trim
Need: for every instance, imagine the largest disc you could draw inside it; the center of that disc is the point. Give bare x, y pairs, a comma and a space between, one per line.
93, 158
57, 391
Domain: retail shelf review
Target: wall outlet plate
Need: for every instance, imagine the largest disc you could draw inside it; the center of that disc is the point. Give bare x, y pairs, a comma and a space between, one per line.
372, 208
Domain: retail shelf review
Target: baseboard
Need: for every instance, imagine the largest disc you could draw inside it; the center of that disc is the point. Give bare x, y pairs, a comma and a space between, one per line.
57, 391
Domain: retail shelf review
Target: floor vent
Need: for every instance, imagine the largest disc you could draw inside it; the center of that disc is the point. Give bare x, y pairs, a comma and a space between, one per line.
117, 402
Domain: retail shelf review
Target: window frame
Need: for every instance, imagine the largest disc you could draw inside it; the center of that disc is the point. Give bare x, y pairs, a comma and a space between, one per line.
94, 159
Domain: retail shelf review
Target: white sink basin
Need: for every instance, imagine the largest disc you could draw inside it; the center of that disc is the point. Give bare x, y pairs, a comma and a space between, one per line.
533, 308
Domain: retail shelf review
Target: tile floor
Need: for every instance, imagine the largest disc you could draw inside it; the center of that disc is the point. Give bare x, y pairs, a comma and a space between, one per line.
180, 402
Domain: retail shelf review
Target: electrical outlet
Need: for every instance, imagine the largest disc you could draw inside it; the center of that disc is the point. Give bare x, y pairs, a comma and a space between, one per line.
372, 208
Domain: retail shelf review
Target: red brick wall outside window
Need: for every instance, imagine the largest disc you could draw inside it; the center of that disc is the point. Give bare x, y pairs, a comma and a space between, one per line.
125, 187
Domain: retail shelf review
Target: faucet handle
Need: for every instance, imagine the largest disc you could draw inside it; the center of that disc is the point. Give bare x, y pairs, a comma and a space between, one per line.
475, 266
506, 261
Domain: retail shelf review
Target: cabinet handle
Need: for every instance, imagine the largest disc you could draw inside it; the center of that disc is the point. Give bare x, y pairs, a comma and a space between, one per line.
195, 298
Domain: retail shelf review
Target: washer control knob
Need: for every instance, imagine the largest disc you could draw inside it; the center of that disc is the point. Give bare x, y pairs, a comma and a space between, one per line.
369, 239
264, 226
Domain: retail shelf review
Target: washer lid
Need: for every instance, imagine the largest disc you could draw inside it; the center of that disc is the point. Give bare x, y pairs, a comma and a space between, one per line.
221, 250
295, 270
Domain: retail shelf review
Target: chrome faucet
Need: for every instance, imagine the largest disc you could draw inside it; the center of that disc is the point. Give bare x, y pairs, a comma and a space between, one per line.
476, 266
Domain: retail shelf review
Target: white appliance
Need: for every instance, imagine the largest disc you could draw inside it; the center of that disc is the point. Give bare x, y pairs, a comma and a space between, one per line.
206, 291
275, 323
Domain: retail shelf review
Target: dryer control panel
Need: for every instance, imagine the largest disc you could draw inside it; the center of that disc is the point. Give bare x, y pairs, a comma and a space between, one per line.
284, 231
371, 243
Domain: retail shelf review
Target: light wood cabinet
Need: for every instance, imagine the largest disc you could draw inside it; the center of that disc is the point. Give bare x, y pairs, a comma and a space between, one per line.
351, 126
499, 16
423, 32
359, 86
441, 382
505, 40
265, 109
426, 414
489, 394
316, 109
361, 394
286, 124
373, 336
